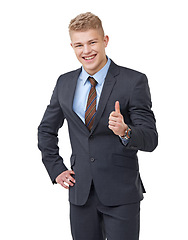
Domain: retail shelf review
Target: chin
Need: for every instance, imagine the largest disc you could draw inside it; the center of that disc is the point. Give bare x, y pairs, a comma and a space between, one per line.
90, 69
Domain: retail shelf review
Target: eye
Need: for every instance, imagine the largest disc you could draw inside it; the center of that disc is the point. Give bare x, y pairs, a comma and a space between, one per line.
78, 46
93, 42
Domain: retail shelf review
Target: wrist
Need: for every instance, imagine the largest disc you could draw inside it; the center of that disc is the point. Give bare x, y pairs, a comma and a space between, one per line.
127, 133
124, 130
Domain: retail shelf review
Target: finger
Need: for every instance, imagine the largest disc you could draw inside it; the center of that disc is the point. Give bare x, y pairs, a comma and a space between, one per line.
111, 123
116, 126
117, 107
114, 114
113, 128
69, 176
71, 179
71, 172
115, 119
64, 185
69, 182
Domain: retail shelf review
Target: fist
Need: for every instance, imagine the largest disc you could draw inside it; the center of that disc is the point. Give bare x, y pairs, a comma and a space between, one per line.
65, 179
116, 121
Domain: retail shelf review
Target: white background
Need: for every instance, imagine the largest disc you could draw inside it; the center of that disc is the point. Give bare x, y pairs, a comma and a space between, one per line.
149, 36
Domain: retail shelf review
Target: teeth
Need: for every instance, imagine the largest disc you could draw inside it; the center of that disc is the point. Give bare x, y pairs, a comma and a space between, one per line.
89, 58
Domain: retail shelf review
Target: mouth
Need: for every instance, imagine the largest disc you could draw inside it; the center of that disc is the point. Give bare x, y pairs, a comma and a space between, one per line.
89, 58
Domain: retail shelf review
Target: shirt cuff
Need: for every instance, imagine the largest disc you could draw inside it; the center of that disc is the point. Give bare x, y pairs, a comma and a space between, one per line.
124, 141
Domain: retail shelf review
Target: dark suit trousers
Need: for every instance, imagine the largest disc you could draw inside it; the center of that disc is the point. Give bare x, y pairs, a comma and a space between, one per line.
94, 221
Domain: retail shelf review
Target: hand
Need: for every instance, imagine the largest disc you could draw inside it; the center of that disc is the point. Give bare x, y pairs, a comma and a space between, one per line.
65, 177
116, 121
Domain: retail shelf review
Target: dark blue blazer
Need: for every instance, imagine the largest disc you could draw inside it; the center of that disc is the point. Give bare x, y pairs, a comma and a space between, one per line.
99, 155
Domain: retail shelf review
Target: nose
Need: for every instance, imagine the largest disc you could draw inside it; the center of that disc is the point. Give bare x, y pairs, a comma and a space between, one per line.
87, 49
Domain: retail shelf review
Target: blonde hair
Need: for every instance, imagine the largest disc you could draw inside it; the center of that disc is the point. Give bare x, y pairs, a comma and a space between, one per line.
84, 22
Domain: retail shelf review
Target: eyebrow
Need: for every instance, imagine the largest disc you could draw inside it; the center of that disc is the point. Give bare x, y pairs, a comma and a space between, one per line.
77, 43
94, 39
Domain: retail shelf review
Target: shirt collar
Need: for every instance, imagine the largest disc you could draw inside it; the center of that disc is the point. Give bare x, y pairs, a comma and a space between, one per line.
99, 76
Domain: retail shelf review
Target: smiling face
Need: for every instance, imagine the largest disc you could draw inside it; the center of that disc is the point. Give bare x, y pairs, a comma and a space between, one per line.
89, 47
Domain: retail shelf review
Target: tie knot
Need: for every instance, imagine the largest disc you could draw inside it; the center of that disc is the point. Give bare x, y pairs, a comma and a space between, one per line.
92, 81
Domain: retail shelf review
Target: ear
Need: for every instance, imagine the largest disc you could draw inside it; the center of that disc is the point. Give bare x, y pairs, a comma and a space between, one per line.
106, 40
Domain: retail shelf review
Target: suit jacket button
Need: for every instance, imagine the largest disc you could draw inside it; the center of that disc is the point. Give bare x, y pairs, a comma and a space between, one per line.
92, 159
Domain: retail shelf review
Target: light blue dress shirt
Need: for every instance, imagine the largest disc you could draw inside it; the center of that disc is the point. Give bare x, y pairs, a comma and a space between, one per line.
83, 88
82, 91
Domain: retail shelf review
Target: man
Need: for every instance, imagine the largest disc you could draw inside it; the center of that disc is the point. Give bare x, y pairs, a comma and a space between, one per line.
108, 110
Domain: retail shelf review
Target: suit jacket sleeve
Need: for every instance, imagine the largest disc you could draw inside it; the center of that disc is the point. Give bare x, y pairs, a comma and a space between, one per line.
48, 137
144, 135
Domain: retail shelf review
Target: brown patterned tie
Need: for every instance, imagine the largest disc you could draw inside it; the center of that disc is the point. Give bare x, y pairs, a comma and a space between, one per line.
91, 105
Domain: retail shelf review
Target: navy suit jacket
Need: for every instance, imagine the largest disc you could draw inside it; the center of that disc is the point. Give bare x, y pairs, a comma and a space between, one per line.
99, 155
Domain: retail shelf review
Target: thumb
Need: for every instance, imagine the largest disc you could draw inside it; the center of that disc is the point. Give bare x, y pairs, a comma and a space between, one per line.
117, 107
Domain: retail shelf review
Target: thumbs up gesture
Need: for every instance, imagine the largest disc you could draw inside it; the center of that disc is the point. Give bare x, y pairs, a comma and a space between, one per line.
116, 121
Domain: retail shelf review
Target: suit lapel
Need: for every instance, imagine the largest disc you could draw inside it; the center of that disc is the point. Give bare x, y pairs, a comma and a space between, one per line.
70, 99
106, 92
